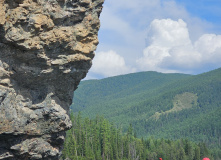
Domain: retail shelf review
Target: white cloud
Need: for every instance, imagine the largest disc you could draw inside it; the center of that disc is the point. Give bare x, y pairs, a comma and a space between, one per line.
168, 33
123, 30
124, 23
210, 46
109, 64
171, 50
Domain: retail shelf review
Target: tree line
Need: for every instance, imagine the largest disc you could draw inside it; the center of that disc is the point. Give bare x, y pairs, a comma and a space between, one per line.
98, 139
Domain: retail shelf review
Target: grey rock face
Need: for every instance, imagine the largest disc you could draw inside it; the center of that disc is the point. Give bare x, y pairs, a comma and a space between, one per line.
46, 48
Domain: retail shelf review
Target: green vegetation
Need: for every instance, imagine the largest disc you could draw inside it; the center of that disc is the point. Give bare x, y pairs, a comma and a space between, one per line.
180, 102
171, 106
98, 139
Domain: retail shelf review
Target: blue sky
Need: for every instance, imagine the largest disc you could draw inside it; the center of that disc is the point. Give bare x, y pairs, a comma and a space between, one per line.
169, 36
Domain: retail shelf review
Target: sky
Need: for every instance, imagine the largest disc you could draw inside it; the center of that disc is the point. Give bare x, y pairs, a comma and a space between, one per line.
168, 36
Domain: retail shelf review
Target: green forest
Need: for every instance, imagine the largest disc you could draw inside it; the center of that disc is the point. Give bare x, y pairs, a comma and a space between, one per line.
169, 106
98, 139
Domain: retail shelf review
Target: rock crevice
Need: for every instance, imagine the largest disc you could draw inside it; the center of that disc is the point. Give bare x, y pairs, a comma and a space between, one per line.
46, 48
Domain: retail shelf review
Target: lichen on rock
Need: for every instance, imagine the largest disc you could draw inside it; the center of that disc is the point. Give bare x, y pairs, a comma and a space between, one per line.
46, 48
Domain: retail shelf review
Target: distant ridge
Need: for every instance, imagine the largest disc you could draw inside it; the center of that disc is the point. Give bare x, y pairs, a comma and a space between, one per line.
163, 105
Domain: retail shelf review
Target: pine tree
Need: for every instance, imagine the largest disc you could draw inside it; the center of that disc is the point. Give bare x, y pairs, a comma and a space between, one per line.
197, 153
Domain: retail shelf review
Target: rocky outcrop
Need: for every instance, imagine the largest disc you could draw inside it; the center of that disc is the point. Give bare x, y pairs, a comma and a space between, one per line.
46, 48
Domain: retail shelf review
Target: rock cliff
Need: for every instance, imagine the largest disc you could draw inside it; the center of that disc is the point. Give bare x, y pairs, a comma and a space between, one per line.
46, 48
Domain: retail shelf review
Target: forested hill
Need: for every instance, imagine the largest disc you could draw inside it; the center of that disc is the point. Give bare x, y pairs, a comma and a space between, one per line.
98, 139
163, 105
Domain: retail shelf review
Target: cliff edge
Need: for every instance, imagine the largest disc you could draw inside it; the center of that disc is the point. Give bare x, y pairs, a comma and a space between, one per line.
46, 48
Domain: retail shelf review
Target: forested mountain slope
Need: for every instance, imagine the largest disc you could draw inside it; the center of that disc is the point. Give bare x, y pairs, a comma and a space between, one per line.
98, 139
163, 105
